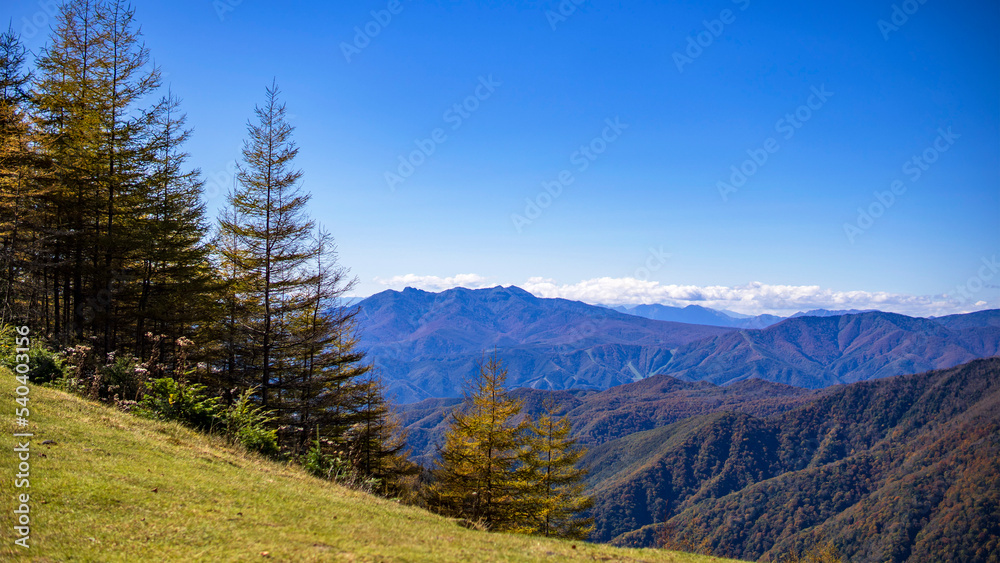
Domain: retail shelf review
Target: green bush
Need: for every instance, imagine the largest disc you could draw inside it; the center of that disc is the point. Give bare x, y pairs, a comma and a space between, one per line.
317, 463
166, 399
247, 424
123, 378
43, 365
323, 465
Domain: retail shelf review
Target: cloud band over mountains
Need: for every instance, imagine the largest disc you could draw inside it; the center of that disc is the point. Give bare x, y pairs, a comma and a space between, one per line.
752, 299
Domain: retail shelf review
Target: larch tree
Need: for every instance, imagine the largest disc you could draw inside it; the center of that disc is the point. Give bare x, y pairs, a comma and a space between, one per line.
377, 441
104, 143
239, 312
271, 237
23, 185
121, 250
175, 287
325, 391
554, 483
476, 477
66, 101
128, 150
291, 335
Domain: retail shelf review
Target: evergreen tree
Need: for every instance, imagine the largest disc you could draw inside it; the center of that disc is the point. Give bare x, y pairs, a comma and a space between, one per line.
66, 99
554, 491
238, 312
477, 475
106, 150
271, 232
128, 149
23, 186
287, 330
377, 442
174, 285
325, 391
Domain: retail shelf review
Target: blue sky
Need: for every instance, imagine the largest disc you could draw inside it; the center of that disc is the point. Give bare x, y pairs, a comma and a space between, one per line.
641, 215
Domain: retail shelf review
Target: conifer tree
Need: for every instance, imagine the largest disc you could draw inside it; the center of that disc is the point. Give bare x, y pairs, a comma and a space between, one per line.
325, 391
22, 187
94, 76
174, 287
127, 150
66, 99
477, 475
238, 311
271, 238
554, 487
377, 441
288, 331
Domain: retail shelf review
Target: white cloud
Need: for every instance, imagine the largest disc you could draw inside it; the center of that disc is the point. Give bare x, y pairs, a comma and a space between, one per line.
435, 283
754, 298
751, 299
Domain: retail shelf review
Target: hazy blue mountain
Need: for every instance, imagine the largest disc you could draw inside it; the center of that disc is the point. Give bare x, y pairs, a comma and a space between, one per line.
696, 314
829, 313
427, 344
814, 351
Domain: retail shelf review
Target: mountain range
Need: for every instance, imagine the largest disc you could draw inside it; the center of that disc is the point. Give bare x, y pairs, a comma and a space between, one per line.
696, 314
821, 351
426, 345
745, 443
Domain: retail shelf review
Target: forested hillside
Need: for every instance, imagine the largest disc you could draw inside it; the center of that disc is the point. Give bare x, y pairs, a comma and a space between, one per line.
902, 469
617, 412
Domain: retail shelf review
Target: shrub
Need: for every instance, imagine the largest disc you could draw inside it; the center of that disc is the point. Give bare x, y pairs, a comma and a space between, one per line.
122, 377
819, 554
316, 462
166, 399
247, 424
338, 469
326, 466
43, 365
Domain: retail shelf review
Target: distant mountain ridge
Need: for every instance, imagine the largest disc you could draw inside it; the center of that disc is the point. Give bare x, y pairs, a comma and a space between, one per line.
427, 344
829, 313
696, 314
817, 352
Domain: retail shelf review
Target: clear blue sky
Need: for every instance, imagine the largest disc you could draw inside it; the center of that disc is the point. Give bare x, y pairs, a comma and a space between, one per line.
657, 184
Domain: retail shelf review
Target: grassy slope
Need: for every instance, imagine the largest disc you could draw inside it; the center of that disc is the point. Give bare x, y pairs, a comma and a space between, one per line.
116, 488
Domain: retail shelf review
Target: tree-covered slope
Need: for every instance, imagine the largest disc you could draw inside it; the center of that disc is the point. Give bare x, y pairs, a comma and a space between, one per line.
899, 469
617, 412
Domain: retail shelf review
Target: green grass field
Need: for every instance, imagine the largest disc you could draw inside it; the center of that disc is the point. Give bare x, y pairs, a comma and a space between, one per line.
115, 487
